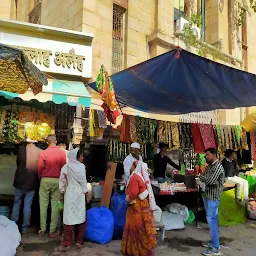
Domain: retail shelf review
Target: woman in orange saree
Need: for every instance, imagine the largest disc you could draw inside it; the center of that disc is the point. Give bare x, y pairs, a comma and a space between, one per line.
139, 237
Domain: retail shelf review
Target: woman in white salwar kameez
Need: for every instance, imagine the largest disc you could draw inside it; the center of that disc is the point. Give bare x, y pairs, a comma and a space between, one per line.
73, 185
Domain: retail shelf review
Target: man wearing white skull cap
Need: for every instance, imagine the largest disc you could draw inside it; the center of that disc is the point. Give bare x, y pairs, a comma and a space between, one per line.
130, 159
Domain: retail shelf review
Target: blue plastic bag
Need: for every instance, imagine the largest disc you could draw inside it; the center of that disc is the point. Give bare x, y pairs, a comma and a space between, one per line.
118, 208
99, 225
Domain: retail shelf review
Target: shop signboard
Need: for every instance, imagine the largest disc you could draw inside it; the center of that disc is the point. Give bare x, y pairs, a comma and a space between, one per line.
53, 56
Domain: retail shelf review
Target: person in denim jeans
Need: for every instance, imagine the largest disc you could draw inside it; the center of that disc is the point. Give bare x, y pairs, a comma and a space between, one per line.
213, 179
25, 182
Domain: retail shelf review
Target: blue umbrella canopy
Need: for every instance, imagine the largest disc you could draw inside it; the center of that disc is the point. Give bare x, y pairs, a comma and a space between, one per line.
172, 84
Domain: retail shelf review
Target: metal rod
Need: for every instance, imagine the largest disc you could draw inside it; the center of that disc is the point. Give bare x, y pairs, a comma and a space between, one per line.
203, 17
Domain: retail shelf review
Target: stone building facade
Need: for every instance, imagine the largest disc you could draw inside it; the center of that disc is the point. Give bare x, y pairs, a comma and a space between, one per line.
128, 32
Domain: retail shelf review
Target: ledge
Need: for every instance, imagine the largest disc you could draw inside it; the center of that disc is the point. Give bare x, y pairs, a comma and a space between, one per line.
164, 40
45, 29
225, 57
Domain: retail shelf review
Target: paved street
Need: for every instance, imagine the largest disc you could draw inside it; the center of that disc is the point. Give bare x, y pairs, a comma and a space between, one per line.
236, 241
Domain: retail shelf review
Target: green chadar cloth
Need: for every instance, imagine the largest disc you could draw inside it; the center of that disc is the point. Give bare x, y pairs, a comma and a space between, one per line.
230, 213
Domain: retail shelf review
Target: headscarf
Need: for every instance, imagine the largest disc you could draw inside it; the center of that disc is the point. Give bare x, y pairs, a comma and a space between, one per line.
73, 168
142, 171
73, 163
128, 162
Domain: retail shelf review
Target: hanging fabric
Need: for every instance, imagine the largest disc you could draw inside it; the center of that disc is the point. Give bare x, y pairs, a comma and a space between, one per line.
102, 119
124, 130
238, 132
247, 154
244, 143
253, 145
2, 121
185, 136
106, 89
6, 124
207, 135
197, 139
133, 132
164, 133
219, 135
175, 136
91, 126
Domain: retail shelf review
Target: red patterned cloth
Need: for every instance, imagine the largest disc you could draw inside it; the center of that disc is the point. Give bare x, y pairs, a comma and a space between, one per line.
207, 135
197, 138
253, 146
111, 115
124, 129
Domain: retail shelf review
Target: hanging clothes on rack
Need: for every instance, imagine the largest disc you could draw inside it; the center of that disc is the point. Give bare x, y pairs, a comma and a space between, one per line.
133, 125
197, 138
124, 130
102, 119
207, 135
175, 140
244, 143
186, 140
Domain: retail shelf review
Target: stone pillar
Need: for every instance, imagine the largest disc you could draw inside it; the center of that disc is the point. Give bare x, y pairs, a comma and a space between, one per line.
161, 40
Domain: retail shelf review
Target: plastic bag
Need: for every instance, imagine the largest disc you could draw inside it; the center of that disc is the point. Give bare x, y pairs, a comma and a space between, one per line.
178, 209
9, 237
118, 208
61, 205
191, 217
99, 225
172, 221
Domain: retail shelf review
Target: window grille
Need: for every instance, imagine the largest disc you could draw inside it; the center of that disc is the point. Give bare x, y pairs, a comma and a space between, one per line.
118, 39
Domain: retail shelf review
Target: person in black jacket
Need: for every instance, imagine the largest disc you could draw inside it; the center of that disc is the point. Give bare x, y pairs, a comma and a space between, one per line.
25, 182
229, 164
160, 162
231, 172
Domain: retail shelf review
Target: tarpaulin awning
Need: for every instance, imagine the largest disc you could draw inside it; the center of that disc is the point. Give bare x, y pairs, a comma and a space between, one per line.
190, 83
17, 73
58, 91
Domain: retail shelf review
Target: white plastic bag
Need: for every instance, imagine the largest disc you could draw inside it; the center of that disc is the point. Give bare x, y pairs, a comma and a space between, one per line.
9, 237
178, 209
172, 221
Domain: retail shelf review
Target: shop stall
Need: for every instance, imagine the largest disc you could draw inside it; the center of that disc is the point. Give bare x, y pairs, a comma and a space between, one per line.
17, 75
174, 83
36, 109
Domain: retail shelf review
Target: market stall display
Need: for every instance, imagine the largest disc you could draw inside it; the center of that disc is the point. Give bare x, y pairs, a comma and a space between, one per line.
17, 73
17, 126
179, 136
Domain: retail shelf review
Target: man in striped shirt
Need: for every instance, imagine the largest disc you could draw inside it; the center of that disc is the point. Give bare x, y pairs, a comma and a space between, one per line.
213, 179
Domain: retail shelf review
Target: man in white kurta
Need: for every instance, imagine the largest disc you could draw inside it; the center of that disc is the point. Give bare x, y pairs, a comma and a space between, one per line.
73, 185
130, 159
